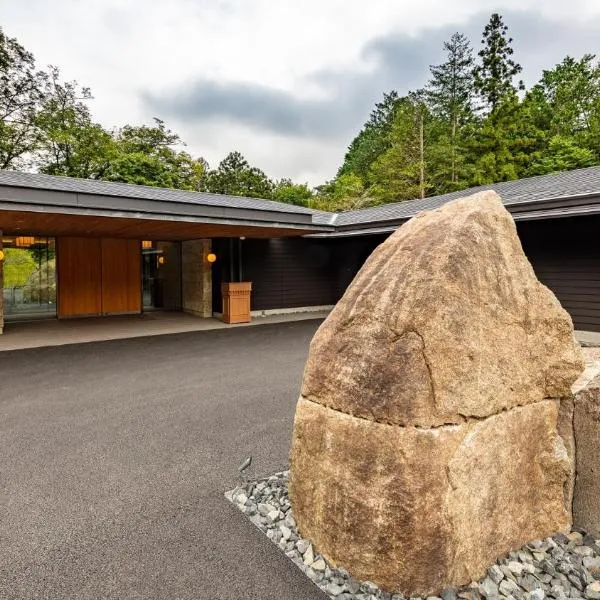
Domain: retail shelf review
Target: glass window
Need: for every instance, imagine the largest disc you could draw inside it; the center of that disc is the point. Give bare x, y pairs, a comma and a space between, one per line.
161, 275
29, 277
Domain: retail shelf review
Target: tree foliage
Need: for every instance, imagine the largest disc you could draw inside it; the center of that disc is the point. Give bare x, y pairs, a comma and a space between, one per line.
473, 123
21, 90
494, 74
234, 176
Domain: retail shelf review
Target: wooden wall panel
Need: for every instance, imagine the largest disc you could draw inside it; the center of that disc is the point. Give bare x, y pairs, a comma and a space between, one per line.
565, 254
291, 273
121, 277
79, 277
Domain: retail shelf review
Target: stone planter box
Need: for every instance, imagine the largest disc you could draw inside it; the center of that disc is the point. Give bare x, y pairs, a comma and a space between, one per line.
236, 301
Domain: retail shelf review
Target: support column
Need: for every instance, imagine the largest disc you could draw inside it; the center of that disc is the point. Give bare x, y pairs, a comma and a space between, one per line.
1, 285
196, 275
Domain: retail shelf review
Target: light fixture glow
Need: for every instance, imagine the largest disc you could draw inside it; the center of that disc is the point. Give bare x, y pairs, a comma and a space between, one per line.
146, 245
211, 257
24, 241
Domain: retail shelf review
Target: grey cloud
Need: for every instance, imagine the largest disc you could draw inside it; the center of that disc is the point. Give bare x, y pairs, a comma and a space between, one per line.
399, 62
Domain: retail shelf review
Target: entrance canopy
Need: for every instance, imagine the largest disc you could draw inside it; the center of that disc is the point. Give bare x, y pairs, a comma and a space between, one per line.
60, 206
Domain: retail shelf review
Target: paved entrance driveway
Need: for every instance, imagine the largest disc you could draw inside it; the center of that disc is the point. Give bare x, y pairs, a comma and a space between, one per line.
114, 458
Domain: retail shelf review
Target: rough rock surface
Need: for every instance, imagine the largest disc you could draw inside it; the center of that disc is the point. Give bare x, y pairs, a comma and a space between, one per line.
427, 440
415, 510
444, 321
586, 505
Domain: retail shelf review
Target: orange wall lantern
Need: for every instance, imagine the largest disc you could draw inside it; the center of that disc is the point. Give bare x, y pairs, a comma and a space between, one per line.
146, 245
211, 257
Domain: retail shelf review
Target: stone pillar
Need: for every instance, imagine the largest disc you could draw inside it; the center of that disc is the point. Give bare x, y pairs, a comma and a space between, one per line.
586, 422
196, 276
1, 285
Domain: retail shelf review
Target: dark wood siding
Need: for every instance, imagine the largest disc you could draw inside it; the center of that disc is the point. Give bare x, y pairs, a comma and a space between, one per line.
565, 254
296, 272
291, 272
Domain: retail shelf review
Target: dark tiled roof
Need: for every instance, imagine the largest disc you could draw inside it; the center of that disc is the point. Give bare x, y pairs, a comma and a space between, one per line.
544, 187
568, 184
142, 192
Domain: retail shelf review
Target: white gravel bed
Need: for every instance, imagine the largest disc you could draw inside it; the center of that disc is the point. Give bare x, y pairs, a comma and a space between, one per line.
561, 567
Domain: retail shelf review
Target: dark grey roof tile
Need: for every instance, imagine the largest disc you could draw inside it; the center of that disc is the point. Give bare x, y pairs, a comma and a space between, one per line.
127, 190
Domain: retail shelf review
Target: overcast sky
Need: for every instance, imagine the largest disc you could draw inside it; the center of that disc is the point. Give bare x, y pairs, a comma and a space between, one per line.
286, 82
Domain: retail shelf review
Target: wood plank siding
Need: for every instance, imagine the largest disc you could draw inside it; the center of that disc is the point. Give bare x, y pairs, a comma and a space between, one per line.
98, 276
290, 273
565, 254
79, 268
121, 277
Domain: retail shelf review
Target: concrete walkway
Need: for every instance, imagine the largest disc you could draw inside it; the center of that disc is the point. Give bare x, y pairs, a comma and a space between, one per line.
52, 332
588, 337
114, 457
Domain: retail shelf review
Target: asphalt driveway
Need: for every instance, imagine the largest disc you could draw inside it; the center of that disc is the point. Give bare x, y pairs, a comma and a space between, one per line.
114, 457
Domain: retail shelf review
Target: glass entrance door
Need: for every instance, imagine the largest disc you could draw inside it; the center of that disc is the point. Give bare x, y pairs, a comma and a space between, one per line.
161, 275
29, 277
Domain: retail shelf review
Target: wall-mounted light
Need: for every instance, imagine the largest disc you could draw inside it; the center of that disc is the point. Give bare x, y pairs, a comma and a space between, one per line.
162, 260
24, 241
1, 255
211, 257
146, 245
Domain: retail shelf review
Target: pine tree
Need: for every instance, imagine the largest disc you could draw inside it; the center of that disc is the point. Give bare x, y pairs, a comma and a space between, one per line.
400, 172
494, 75
372, 141
450, 93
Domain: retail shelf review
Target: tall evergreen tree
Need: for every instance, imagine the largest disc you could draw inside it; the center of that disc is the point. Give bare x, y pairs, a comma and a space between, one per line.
450, 94
400, 173
495, 73
372, 141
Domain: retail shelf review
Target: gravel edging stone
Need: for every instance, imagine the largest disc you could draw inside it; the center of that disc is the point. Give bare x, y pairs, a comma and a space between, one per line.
562, 567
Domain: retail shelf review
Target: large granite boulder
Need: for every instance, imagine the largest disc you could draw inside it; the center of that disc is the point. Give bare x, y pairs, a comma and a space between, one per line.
427, 439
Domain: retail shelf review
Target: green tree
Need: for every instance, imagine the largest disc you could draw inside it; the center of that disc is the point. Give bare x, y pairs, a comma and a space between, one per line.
345, 192
562, 154
373, 140
569, 98
400, 173
292, 193
21, 91
71, 143
449, 95
144, 155
18, 266
496, 70
490, 145
236, 177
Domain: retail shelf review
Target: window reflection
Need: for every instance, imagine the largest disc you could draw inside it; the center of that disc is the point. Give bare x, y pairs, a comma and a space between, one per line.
161, 275
29, 276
